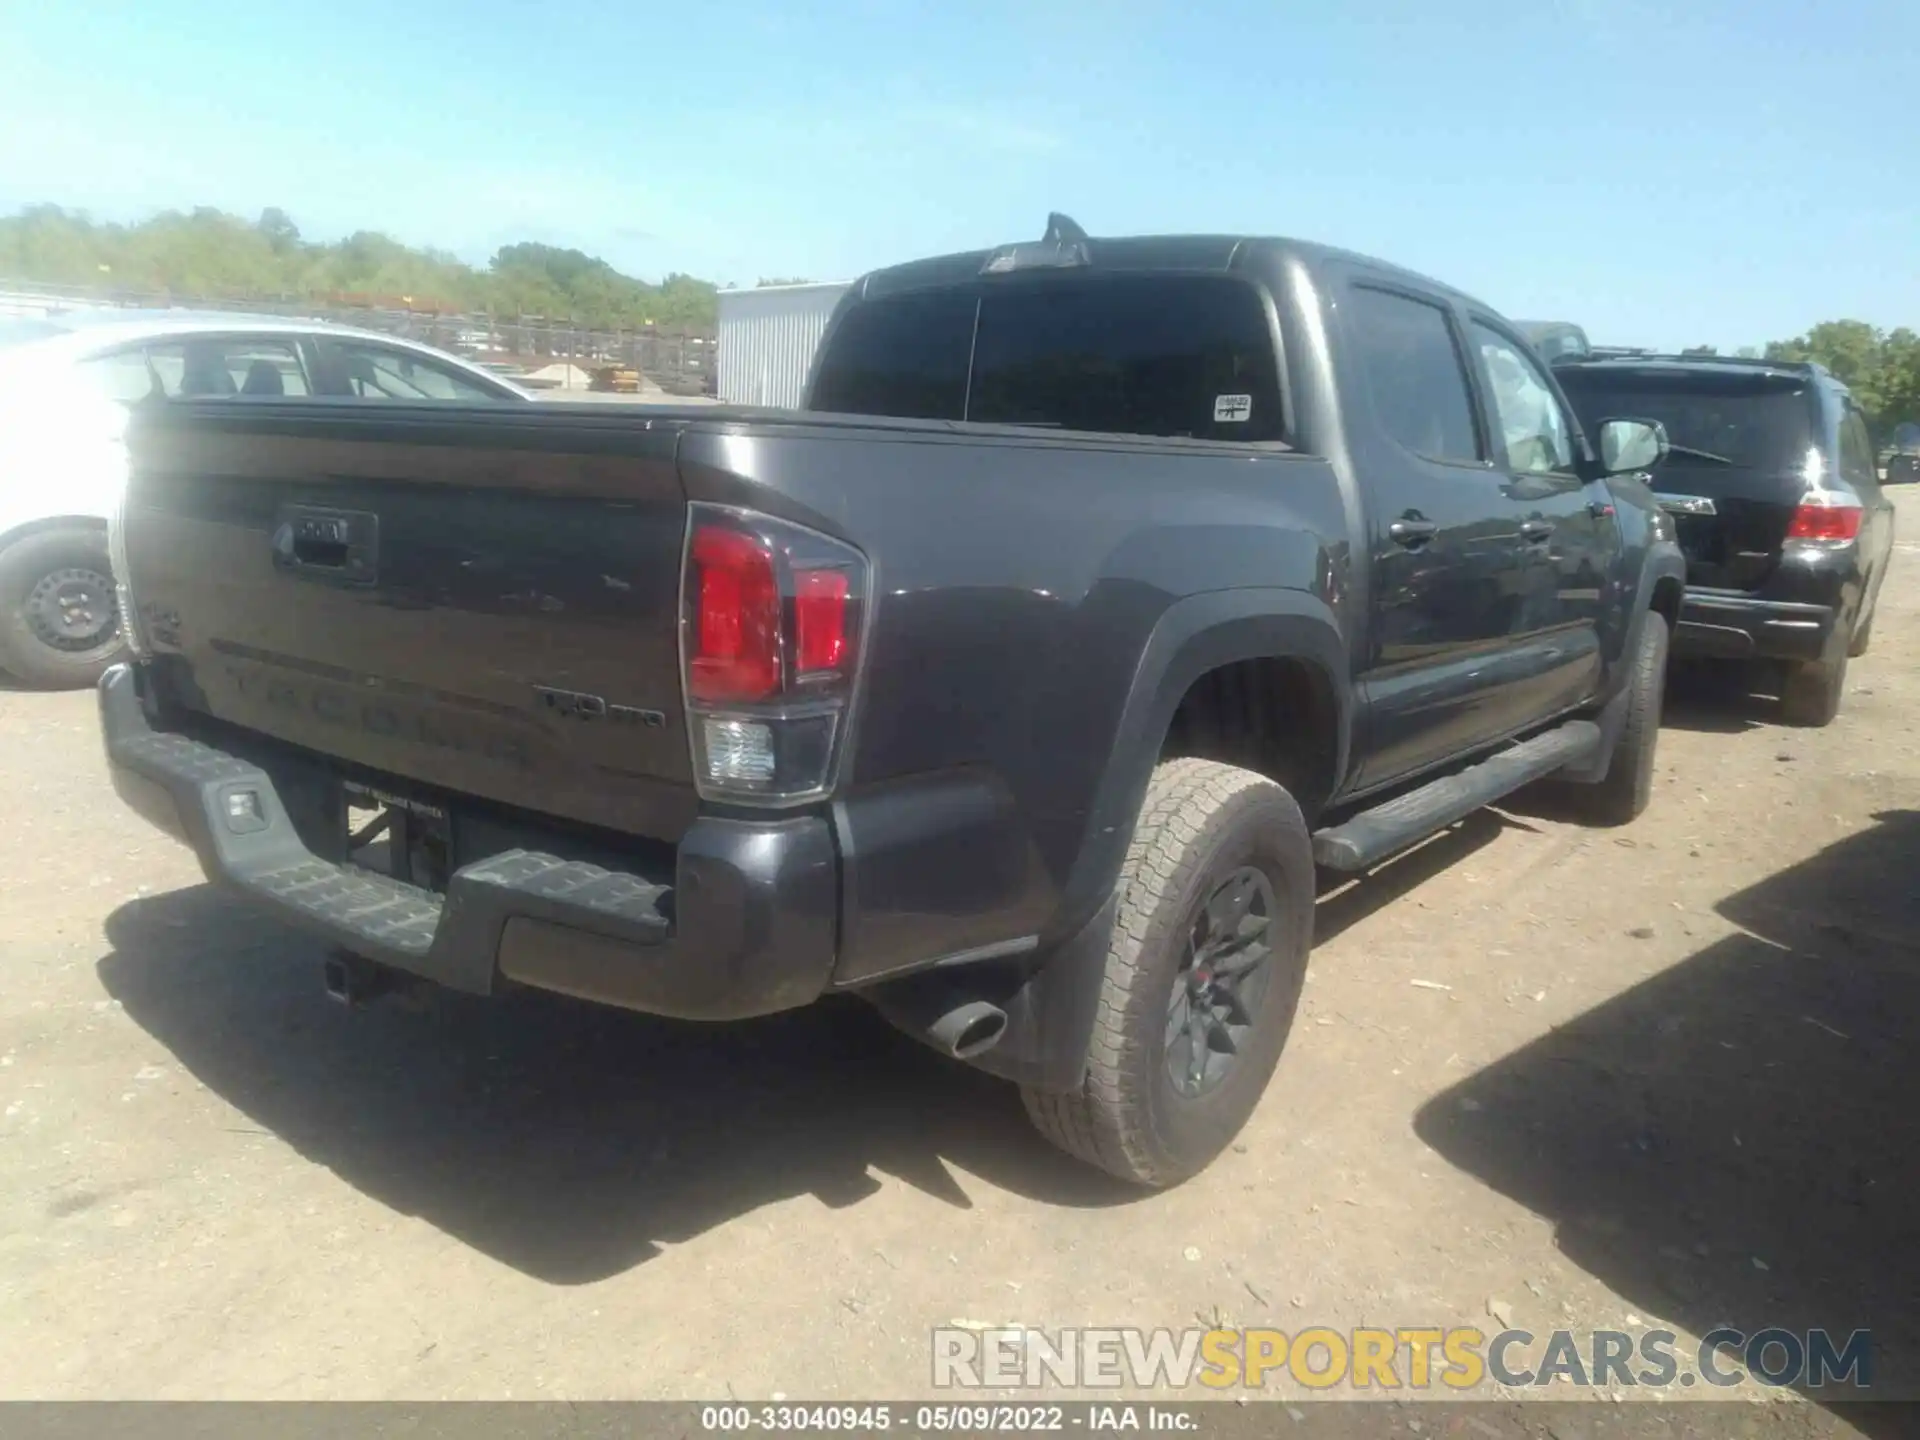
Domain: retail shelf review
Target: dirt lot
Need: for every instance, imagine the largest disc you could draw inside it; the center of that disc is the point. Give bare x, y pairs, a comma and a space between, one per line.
1662, 1075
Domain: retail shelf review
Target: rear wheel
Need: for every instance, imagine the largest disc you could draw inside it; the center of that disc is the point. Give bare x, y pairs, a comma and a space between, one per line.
1811, 696
59, 623
1203, 976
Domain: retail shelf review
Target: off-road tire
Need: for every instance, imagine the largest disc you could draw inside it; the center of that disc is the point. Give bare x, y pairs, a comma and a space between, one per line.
24, 564
1628, 789
1201, 821
1813, 691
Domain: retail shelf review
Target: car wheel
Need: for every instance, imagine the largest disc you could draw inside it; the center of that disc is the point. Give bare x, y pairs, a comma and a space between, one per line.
59, 623
1811, 696
1628, 789
1203, 976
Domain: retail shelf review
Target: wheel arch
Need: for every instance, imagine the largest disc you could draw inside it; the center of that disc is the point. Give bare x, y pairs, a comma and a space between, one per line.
40, 524
1195, 637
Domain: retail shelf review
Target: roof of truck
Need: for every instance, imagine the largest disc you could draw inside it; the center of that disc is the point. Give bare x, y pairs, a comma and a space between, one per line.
1138, 252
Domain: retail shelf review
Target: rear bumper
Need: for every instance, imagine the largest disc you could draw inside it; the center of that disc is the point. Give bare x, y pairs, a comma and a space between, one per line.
745, 924
1738, 627
1794, 616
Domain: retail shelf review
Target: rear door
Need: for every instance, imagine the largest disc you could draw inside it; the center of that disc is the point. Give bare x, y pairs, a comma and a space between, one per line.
1454, 586
1568, 531
1741, 437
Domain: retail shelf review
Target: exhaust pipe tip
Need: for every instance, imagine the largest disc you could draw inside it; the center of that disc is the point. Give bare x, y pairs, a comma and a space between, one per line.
969, 1029
335, 975
355, 981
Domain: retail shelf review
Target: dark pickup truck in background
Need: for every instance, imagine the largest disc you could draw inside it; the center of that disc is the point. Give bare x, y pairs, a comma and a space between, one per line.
1116, 585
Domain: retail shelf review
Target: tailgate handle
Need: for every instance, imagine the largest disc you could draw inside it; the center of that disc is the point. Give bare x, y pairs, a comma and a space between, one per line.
322, 554
336, 545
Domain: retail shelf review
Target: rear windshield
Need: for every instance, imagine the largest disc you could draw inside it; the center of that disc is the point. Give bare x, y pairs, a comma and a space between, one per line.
1749, 422
1172, 355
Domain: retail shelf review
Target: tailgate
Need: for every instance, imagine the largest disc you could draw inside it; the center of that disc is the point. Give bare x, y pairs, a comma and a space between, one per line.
1731, 523
483, 603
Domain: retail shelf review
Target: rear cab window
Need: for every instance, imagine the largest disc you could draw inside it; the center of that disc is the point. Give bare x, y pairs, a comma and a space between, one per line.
1163, 354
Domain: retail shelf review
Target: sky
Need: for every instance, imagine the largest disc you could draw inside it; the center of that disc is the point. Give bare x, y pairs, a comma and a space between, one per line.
1695, 171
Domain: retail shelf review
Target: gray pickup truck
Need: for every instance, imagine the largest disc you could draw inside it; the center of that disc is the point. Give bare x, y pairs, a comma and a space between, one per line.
1107, 589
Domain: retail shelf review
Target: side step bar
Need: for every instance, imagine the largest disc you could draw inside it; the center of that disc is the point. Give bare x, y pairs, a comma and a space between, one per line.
1373, 835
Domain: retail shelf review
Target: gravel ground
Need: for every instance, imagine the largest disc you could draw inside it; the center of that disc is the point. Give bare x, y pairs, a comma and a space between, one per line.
1661, 1076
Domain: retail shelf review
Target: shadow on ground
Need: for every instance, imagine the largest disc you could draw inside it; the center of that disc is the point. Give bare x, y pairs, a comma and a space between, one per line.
1734, 1142
1720, 697
566, 1140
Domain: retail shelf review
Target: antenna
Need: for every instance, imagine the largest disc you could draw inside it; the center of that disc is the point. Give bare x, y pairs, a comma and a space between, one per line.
1064, 245
1063, 230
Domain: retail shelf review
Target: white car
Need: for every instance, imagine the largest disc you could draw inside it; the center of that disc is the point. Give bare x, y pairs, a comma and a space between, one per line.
66, 384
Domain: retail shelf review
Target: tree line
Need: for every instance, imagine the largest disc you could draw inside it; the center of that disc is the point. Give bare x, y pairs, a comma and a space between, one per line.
208, 254
1880, 367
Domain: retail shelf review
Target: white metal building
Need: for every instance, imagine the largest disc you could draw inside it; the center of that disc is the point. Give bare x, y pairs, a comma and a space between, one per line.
767, 340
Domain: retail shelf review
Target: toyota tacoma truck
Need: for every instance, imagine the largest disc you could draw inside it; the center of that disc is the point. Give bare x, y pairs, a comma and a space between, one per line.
1104, 592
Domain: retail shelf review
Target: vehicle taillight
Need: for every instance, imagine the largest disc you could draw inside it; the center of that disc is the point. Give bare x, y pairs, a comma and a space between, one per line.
733, 650
820, 621
1825, 519
772, 621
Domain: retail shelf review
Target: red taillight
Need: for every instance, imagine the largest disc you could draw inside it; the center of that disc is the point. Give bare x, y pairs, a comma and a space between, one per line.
772, 624
820, 621
734, 651
1825, 522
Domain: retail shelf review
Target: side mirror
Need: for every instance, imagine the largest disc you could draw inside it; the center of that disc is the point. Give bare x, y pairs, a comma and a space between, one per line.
1629, 445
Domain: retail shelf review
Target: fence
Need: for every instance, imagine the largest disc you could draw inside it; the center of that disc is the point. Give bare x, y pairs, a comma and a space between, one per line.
678, 360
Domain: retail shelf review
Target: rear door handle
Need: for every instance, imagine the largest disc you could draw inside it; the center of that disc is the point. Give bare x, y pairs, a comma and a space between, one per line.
1412, 533
1536, 532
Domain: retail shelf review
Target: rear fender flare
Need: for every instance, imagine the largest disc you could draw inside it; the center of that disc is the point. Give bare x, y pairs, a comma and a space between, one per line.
1193, 636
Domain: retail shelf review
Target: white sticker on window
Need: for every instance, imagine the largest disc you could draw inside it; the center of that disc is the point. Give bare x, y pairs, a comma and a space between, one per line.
1232, 409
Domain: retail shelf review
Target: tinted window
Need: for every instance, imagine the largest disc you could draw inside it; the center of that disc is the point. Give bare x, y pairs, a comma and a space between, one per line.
122, 376
1532, 425
1714, 419
1856, 450
1174, 355
1413, 369
373, 372
905, 355
201, 367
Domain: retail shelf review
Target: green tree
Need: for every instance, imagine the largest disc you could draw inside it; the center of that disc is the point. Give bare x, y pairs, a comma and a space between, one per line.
206, 253
1882, 368
282, 234
1849, 348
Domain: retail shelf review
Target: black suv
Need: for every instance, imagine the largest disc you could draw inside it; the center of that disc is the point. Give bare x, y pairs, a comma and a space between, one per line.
1771, 481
